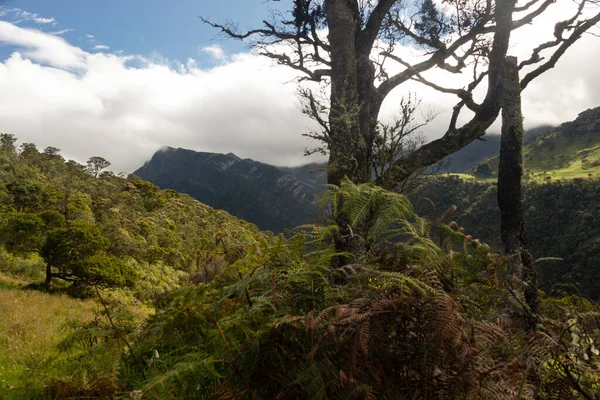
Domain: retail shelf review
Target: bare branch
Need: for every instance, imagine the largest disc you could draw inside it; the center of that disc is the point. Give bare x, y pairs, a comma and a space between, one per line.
455, 139
559, 30
373, 26
464, 95
575, 35
306, 45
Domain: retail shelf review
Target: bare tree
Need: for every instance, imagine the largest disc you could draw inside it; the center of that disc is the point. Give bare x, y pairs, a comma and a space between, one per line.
348, 45
470, 34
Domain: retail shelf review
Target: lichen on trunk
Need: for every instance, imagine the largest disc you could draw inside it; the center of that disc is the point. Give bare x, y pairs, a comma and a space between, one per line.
510, 172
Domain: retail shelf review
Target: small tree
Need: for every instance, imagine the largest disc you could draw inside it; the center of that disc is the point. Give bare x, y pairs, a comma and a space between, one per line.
7, 142
78, 253
52, 152
484, 170
28, 151
95, 165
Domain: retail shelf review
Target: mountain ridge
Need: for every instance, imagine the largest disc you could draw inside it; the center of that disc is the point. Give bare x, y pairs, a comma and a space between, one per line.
274, 198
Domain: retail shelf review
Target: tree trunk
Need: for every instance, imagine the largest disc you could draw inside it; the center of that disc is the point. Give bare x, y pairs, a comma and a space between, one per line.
510, 172
353, 114
48, 275
343, 118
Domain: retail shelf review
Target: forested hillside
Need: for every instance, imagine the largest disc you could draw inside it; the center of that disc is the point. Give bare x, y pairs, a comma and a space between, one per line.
563, 221
187, 301
70, 228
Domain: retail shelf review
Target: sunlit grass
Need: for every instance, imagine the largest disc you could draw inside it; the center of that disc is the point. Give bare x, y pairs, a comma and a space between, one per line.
32, 324
554, 158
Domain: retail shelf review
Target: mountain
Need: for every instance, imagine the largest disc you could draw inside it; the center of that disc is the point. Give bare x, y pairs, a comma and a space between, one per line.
473, 154
273, 198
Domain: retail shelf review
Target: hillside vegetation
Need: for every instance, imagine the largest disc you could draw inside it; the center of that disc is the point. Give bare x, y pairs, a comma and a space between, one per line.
562, 220
64, 230
169, 298
561, 192
562, 171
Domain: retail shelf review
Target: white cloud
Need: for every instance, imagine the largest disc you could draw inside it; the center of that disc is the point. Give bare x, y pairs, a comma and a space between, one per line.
61, 32
125, 107
43, 48
41, 20
101, 47
21, 16
215, 52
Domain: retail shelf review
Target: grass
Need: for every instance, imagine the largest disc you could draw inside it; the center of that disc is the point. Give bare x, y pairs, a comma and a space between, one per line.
562, 157
32, 324
553, 158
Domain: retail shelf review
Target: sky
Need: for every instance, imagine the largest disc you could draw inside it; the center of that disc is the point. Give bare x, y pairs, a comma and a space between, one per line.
122, 79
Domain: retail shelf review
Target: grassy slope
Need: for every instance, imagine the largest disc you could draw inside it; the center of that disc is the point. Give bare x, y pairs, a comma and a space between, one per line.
564, 157
32, 324
555, 157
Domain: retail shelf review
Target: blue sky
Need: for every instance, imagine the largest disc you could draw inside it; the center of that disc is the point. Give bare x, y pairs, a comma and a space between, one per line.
170, 28
122, 78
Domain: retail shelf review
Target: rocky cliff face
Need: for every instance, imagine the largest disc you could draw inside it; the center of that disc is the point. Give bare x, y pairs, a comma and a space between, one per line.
273, 198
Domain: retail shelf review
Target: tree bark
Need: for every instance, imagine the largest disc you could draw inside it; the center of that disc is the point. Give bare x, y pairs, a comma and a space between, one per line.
510, 173
353, 115
343, 118
48, 281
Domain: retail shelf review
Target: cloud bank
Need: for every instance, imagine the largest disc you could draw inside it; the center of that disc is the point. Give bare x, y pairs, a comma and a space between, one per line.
125, 107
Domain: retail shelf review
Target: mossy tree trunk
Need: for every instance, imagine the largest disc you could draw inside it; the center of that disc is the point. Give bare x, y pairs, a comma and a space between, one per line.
353, 114
510, 173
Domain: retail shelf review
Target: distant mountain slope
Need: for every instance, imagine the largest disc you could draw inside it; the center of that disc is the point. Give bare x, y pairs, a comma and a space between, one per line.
271, 197
473, 154
569, 151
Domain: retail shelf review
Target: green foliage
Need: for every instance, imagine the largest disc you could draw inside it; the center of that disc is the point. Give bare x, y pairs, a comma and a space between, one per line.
30, 268
78, 252
152, 197
399, 326
27, 195
52, 219
7, 143
66, 245
561, 220
22, 233
209, 307
103, 270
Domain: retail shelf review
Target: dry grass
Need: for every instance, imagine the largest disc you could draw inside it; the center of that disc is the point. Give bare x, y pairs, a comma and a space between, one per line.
7, 281
31, 326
